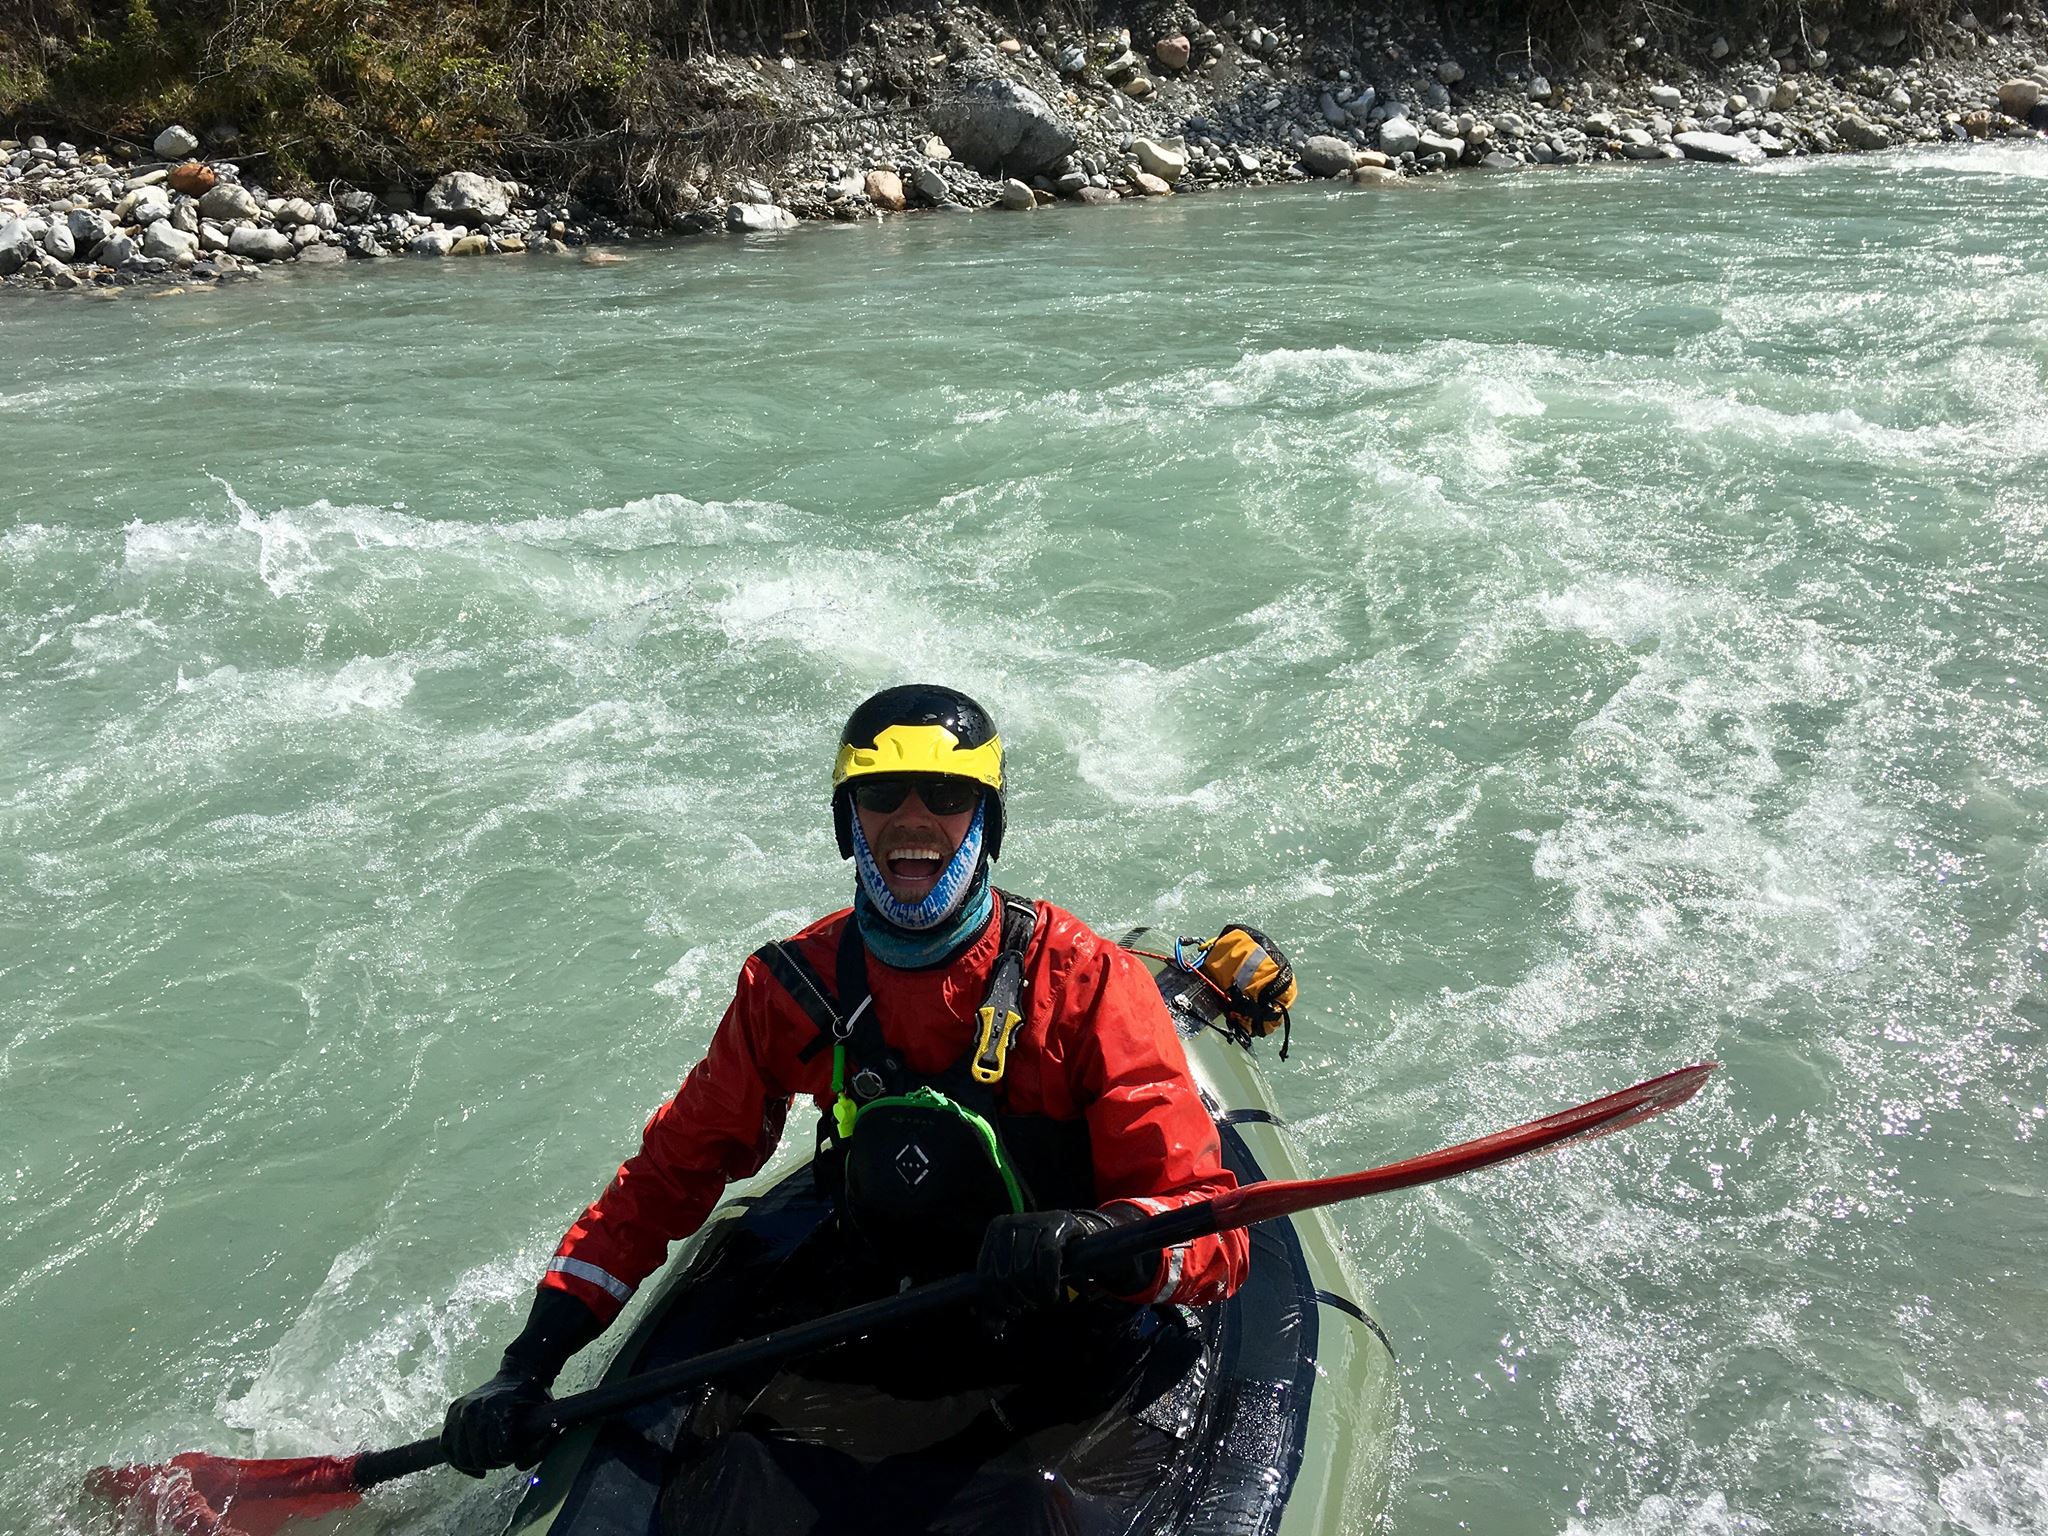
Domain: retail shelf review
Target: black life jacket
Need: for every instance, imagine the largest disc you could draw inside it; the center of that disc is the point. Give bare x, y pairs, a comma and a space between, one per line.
917, 1166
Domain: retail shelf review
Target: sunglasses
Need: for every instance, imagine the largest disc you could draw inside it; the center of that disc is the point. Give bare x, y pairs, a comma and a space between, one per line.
942, 797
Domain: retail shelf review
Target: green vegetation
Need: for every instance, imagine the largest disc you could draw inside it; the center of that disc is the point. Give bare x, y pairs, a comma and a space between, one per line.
370, 89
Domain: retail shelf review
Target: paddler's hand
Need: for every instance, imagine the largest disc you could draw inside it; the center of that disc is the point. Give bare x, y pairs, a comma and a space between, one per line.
1024, 1257
494, 1425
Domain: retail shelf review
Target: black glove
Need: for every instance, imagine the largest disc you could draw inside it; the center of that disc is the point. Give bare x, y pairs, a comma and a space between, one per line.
494, 1426
1023, 1262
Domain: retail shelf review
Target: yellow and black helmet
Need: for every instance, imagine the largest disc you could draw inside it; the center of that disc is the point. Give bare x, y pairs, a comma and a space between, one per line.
918, 729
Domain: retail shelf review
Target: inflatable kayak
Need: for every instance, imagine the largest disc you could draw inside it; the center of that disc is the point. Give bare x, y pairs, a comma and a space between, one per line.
1269, 1414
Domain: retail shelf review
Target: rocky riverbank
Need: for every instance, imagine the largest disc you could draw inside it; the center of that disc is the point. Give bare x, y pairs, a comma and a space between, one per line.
951, 109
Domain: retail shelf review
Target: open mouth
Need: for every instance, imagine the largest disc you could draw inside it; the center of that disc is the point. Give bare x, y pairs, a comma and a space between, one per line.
915, 865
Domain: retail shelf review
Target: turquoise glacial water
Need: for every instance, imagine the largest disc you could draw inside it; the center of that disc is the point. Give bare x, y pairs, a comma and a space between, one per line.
1596, 621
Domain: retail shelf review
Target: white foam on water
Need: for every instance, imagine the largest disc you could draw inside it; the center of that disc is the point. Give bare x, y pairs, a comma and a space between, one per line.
352, 1370
1996, 164
237, 700
1930, 1466
1664, 1515
684, 981
109, 640
377, 683
172, 542
655, 522
1628, 611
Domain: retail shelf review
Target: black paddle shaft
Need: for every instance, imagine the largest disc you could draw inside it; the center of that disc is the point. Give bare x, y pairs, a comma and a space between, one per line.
1089, 1255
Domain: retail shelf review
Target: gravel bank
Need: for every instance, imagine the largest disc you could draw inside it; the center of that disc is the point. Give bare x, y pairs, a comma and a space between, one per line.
950, 109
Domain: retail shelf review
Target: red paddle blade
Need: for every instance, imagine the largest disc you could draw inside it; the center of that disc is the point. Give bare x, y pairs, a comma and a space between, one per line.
194, 1494
1600, 1117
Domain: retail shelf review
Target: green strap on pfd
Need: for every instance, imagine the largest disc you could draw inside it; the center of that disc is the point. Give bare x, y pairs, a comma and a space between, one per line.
845, 1107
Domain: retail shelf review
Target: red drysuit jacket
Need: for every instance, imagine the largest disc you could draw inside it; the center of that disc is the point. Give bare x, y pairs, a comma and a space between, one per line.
1097, 1044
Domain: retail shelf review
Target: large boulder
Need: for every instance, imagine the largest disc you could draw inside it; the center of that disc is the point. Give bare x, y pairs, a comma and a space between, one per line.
88, 227
758, 218
1860, 133
175, 143
258, 244
227, 203
885, 190
1001, 127
17, 245
1449, 146
1165, 158
145, 205
1398, 136
464, 197
167, 243
117, 250
1719, 146
2018, 97
1324, 155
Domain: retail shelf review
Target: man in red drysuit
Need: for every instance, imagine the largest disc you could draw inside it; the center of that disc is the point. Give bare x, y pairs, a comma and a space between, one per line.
1013, 1011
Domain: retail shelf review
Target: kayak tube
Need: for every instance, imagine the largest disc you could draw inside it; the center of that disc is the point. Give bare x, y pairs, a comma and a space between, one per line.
1270, 1414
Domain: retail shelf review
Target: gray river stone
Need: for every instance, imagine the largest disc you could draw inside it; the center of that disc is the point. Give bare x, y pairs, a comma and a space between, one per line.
1452, 149
59, 242
999, 125
464, 197
227, 202
259, 244
1398, 136
166, 242
175, 143
1325, 155
117, 250
1719, 146
17, 245
88, 227
145, 205
758, 218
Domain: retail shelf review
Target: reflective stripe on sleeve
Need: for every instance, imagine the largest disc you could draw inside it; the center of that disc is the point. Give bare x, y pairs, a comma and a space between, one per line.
611, 1285
1176, 1259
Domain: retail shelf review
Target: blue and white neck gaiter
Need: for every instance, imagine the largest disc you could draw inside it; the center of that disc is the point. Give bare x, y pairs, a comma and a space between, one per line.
908, 935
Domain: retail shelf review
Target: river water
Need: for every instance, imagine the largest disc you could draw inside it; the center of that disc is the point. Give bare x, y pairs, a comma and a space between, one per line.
1595, 621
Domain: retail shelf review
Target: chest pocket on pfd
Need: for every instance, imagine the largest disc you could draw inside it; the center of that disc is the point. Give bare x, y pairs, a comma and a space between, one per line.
922, 1178
919, 1166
